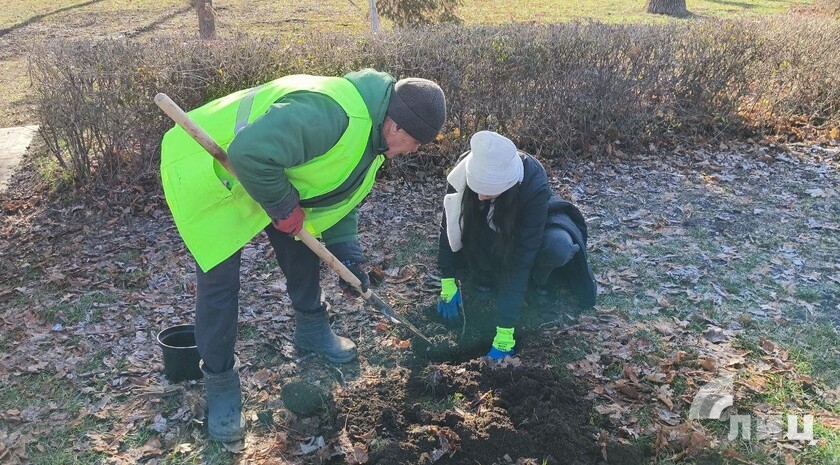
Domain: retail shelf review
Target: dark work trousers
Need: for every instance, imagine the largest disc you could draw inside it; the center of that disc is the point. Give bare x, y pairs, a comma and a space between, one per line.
557, 249
217, 296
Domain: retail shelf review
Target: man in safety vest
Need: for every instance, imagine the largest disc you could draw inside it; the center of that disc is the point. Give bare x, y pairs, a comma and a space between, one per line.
305, 151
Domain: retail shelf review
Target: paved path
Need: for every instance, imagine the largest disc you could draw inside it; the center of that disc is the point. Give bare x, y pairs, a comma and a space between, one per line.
13, 144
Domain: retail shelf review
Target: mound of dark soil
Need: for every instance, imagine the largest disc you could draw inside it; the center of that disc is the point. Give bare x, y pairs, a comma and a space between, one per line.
471, 413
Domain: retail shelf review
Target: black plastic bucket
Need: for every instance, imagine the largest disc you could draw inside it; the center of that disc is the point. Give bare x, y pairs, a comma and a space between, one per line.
180, 355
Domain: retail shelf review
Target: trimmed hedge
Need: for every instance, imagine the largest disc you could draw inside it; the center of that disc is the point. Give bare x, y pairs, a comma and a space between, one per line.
557, 90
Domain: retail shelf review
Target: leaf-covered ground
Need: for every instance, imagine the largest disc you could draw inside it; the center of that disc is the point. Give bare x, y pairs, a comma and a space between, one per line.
711, 263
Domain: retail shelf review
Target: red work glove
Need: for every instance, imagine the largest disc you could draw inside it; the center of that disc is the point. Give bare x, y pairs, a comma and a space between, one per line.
293, 223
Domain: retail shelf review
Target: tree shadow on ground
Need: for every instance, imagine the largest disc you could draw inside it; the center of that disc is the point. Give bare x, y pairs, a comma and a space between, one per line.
37, 18
154, 24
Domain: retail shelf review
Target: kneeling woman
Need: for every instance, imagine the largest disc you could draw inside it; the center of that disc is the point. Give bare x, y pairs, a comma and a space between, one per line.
504, 225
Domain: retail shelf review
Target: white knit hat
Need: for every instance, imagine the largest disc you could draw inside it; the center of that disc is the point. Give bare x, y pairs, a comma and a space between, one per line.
493, 165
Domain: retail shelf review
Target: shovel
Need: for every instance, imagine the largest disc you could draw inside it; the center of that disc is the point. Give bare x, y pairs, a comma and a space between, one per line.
193, 129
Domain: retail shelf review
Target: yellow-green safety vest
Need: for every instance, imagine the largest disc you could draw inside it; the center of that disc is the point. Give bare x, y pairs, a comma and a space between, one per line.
214, 214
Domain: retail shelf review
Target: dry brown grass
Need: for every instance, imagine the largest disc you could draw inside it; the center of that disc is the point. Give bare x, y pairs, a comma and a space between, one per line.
28, 23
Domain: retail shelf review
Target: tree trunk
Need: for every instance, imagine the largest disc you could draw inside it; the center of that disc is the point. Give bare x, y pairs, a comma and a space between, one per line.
667, 7
374, 16
206, 18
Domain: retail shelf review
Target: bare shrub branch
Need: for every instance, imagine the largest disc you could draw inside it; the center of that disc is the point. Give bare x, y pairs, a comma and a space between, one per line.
557, 90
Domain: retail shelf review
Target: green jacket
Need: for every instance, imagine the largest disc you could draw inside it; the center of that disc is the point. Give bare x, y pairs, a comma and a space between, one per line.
217, 214
296, 129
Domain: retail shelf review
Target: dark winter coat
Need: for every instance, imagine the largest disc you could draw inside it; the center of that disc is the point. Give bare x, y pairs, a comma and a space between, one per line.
538, 208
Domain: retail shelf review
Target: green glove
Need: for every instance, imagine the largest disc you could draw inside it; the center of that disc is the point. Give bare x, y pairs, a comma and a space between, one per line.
504, 339
448, 288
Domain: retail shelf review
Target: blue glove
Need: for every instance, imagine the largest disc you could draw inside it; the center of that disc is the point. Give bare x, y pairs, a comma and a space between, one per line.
502, 344
497, 354
449, 310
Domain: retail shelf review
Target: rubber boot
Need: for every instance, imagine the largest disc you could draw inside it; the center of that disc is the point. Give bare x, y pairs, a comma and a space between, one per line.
224, 404
313, 334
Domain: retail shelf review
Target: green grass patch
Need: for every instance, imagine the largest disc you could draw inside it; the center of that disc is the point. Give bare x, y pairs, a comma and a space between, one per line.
212, 454
813, 351
748, 450
136, 438
615, 261
716, 427
132, 278
614, 371
624, 302
247, 332
783, 392
734, 283
456, 400
610, 11
748, 342
88, 308
653, 338
59, 447
679, 385
41, 391
809, 293
827, 449
573, 350
50, 171
416, 247
234, 14
815, 346
94, 362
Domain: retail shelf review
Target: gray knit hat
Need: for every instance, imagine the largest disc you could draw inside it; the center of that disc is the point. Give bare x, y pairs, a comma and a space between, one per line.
419, 107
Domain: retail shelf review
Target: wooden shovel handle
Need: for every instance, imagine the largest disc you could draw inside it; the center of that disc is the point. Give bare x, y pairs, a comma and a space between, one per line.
183, 119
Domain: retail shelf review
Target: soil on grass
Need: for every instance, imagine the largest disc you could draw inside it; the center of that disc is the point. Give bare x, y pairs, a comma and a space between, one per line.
471, 413
447, 403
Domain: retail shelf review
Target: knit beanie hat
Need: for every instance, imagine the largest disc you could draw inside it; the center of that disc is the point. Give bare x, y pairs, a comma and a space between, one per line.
419, 107
493, 165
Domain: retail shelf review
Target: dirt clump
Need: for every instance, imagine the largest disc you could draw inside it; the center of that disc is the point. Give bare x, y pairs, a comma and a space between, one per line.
304, 399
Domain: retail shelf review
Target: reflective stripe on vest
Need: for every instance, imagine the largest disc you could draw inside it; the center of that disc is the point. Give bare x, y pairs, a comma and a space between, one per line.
213, 213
